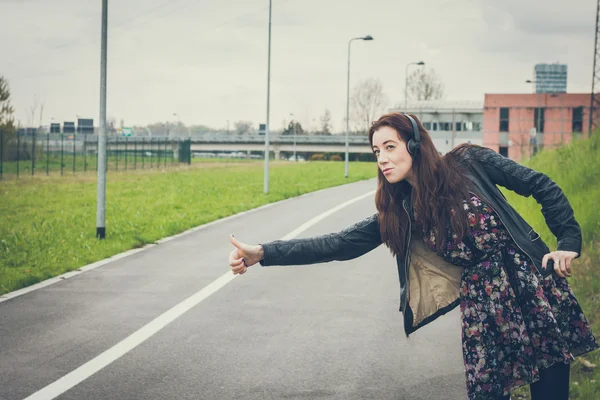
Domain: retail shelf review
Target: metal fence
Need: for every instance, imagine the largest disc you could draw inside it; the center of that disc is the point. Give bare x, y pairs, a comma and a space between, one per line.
54, 154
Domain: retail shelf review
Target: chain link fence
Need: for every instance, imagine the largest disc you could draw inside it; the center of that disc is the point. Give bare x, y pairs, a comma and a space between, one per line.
61, 154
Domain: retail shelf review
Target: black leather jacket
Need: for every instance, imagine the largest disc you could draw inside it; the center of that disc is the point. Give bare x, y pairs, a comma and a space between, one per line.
486, 168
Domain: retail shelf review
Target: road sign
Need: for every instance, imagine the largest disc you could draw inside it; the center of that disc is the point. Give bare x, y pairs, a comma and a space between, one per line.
126, 131
54, 128
68, 127
85, 125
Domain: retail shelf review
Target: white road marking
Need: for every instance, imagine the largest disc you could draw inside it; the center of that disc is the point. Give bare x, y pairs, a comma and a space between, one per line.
88, 369
99, 263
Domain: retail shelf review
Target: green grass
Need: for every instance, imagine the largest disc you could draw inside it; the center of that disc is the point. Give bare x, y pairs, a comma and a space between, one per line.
576, 169
51, 165
202, 160
48, 224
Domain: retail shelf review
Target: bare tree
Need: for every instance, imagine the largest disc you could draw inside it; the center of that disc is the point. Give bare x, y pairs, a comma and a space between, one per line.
201, 128
41, 115
33, 114
326, 123
243, 127
367, 103
111, 126
425, 85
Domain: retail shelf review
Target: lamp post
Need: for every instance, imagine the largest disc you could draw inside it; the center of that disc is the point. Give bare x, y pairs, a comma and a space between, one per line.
179, 124
539, 111
294, 122
178, 120
266, 173
101, 189
367, 37
406, 81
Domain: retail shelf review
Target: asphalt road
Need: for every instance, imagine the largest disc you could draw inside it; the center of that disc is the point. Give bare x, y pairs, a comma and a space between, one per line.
327, 331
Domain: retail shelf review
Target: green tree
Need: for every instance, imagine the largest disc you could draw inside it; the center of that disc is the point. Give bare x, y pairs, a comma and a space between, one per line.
6, 110
7, 122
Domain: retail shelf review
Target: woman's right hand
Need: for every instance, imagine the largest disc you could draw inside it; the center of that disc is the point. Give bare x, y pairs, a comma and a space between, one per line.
243, 256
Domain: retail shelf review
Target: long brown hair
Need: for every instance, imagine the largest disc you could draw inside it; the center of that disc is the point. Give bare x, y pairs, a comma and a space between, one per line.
440, 186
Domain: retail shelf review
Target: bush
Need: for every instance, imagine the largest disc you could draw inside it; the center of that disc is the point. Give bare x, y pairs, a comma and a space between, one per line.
366, 157
317, 157
335, 157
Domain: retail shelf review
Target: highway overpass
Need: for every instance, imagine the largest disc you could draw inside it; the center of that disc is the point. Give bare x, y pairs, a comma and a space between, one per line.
224, 143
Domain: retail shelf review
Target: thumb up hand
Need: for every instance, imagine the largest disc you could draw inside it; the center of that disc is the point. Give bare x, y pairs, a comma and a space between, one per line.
243, 255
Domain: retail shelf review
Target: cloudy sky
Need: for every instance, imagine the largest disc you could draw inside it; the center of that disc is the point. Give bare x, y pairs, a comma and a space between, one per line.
207, 59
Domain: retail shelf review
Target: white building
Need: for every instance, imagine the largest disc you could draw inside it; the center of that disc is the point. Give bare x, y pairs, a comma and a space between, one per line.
449, 123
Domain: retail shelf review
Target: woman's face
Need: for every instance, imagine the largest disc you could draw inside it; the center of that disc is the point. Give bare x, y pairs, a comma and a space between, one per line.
393, 158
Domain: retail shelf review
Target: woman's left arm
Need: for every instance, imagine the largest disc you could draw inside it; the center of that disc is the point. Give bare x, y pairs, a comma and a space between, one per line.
556, 209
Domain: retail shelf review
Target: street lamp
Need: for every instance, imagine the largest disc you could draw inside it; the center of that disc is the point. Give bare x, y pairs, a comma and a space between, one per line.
539, 111
294, 122
179, 124
178, 120
266, 173
368, 37
539, 103
101, 187
406, 81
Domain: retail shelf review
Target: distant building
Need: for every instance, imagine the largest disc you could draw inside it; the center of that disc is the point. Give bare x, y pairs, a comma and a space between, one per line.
449, 123
518, 125
550, 78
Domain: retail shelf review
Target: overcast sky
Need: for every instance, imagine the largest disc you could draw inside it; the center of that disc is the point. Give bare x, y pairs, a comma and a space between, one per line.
207, 59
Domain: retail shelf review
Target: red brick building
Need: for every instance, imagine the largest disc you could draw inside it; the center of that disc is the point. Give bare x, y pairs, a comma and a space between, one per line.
518, 125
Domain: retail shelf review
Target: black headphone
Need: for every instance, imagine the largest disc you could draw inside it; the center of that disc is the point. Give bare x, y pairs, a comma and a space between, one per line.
414, 145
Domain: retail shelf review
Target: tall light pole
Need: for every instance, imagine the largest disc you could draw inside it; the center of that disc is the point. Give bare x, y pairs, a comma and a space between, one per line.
179, 124
368, 37
266, 178
178, 120
294, 122
539, 111
406, 81
101, 194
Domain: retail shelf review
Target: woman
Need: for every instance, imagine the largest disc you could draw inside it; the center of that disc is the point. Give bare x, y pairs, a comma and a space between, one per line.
457, 240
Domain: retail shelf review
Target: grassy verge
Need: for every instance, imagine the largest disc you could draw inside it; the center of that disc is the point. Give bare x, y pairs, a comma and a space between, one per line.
48, 224
576, 169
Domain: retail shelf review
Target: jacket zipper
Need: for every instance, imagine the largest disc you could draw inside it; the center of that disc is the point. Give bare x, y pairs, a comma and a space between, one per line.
407, 247
512, 237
